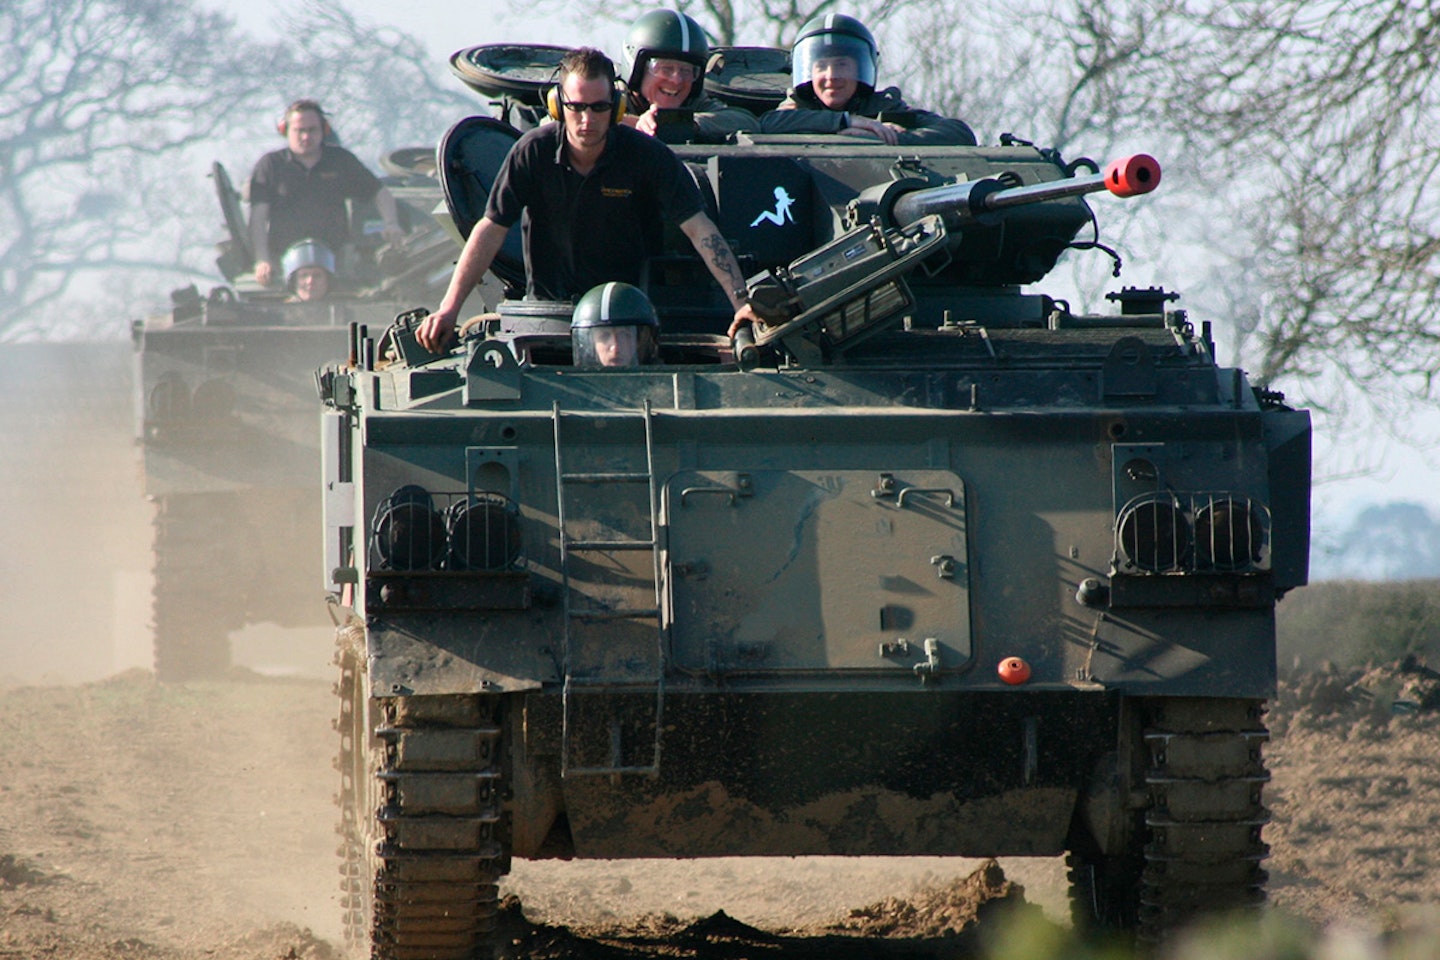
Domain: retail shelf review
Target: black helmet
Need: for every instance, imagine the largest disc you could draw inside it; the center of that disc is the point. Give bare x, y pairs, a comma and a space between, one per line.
833, 35
667, 35
614, 325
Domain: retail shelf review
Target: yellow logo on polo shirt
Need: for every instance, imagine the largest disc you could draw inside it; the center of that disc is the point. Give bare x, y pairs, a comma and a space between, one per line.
615, 191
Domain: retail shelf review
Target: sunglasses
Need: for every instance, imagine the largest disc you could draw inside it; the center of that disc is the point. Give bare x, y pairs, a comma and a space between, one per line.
599, 106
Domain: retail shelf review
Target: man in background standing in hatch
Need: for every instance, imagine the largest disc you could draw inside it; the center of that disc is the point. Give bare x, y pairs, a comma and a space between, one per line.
300, 191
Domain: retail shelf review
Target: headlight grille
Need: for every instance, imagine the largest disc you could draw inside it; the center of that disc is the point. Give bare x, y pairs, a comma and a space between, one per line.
414, 529
1192, 532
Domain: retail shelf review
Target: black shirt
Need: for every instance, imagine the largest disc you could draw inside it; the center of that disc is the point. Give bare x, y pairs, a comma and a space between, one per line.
581, 231
310, 202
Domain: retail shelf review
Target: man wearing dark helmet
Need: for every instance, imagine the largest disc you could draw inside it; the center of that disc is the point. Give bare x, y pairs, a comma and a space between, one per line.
833, 68
665, 56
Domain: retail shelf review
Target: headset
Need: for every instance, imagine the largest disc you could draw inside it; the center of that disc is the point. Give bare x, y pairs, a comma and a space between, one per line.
555, 108
283, 124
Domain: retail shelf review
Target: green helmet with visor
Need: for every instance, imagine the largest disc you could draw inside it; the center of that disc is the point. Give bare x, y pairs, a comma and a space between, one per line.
666, 35
613, 326
829, 37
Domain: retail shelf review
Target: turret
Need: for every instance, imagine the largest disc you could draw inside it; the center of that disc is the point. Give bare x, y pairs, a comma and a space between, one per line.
855, 285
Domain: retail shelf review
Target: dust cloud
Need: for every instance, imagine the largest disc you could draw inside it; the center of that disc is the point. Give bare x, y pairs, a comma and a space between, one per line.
74, 566
76, 563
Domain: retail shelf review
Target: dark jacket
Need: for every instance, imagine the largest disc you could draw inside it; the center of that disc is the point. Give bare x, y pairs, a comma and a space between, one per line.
715, 120
807, 115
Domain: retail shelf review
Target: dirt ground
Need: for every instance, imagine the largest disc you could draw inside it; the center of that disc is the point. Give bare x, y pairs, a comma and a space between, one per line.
149, 822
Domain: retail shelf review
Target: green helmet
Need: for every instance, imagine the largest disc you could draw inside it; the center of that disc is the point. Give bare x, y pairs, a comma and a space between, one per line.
614, 325
833, 35
666, 35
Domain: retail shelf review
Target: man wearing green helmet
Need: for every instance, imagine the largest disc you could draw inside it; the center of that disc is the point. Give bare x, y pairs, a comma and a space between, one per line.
665, 56
614, 325
833, 68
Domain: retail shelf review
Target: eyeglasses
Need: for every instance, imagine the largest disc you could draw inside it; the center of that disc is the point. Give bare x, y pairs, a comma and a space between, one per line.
671, 69
599, 106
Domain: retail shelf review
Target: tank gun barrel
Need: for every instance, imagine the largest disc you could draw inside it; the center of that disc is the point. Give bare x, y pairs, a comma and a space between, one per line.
981, 201
854, 286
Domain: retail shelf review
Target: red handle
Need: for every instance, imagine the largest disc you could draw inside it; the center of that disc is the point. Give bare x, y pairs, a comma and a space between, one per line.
1133, 175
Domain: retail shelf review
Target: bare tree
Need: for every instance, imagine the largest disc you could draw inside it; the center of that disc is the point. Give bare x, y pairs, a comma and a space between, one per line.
381, 86
1301, 133
736, 22
1332, 107
1077, 75
111, 111
93, 93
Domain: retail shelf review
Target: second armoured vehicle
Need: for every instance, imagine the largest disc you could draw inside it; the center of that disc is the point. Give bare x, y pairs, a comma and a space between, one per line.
224, 411
931, 565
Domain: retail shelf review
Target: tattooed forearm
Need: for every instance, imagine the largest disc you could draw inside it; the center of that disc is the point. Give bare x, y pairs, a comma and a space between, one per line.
715, 253
722, 262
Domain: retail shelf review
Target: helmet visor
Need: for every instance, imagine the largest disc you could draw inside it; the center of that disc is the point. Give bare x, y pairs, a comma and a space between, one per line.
835, 52
612, 347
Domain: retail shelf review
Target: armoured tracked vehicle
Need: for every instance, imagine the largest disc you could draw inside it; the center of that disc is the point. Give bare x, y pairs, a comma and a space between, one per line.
930, 565
225, 414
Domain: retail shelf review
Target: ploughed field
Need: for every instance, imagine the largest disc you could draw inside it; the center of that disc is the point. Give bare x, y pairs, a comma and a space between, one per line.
142, 821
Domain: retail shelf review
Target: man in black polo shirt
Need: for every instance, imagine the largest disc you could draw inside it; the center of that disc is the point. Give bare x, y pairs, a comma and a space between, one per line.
300, 192
597, 193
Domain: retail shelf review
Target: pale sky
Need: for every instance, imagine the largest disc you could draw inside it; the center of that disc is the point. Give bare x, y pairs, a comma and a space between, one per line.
446, 26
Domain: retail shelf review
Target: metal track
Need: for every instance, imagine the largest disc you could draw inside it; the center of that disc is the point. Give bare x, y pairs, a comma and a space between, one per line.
355, 827
1193, 845
1205, 778
423, 863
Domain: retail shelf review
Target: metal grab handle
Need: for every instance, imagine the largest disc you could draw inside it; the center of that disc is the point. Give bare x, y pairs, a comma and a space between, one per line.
949, 494
726, 491
747, 355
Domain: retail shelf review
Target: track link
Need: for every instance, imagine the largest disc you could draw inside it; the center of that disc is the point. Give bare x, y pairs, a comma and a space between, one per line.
424, 847
1191, 841
1205, 777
